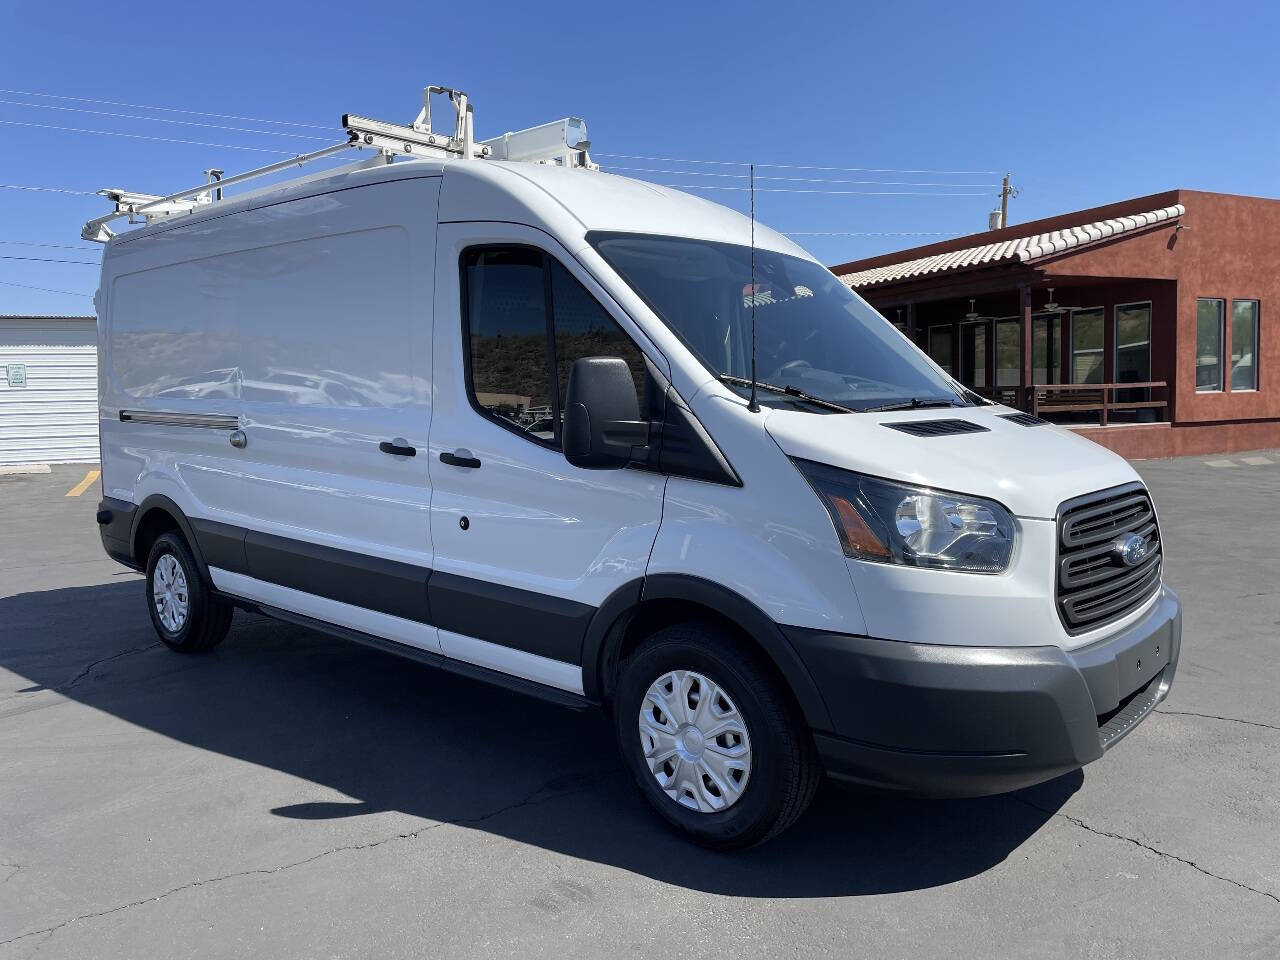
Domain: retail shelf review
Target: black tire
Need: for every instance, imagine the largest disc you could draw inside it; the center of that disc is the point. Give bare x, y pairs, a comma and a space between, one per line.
784, 771
207, 618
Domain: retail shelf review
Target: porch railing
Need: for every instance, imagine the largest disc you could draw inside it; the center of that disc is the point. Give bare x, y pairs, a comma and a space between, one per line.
1086, 397
1079, 397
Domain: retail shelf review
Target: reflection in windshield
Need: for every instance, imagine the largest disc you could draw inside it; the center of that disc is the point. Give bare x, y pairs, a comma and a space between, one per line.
812, 333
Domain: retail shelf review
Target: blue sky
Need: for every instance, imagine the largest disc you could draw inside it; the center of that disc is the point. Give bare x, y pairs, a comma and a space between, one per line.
1084, 103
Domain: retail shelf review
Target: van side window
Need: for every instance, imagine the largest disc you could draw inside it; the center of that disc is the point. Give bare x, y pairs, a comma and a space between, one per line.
526, 316
584, 329
506, 312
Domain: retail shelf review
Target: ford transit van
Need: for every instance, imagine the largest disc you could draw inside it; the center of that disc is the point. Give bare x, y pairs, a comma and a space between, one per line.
619, 447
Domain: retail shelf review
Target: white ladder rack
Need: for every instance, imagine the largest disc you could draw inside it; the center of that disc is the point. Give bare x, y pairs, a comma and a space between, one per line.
561, 142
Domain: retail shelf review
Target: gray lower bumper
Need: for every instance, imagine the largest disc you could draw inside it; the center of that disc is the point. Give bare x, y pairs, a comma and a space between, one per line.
967, 721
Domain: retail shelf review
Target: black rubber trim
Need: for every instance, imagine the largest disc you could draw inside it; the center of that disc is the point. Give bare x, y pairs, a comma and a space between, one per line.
222, 544
686, 449
162, 503
554, 695
757, 624
115, 527
520, 619
387, 586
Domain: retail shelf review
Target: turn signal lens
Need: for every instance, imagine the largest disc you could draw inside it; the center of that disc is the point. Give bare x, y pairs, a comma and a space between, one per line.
855, 536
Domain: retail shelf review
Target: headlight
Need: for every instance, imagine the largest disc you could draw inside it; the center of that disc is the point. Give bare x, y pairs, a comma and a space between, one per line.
897, 523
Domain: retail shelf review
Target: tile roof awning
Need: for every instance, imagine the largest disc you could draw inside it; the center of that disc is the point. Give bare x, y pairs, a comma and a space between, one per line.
1023, 250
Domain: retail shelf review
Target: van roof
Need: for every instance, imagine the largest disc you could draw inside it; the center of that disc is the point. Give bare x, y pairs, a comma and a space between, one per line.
598, 201
565, 202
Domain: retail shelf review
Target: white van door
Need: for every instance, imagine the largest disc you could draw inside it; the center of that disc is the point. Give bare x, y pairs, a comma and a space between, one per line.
527, 546
333, 487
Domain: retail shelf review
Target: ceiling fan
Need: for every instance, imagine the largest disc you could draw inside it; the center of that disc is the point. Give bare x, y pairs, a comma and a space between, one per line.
1051, 306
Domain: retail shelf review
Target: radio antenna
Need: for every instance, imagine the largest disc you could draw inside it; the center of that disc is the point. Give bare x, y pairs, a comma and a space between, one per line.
754, 404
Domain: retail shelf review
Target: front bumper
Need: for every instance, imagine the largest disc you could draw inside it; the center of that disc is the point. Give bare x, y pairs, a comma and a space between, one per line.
968, 721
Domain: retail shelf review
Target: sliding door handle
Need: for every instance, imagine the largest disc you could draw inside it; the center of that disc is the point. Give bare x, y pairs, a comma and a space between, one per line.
398, 448
461, 458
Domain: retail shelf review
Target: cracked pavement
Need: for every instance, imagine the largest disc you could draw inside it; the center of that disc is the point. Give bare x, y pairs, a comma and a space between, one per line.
292, 795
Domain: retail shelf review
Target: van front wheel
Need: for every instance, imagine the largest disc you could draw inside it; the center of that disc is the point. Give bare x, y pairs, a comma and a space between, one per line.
185, 615
716, 746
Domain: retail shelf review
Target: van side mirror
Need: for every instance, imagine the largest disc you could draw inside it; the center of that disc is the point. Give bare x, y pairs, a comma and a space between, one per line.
602, 425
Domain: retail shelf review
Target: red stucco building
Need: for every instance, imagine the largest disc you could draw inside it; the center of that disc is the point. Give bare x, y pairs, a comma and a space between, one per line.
1150, 325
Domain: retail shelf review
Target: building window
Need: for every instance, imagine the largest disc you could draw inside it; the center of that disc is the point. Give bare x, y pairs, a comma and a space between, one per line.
1133, 349
1244, 344
973, 354
940, 347
1046, 337
1086, 345
1209, 317
1008, 353
527, 319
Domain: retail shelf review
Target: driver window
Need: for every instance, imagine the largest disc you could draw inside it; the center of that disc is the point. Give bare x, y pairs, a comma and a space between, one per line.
524, 316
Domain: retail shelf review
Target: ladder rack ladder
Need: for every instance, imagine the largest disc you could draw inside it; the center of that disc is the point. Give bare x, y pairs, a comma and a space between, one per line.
561, 142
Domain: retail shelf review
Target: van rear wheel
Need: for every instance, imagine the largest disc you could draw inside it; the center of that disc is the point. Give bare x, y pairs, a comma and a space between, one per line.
716, 745
186, 616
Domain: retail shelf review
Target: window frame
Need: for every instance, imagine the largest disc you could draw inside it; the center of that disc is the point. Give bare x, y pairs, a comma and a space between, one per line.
1115, 336
943, 328
546, 257
464, 288
1101, 308
1222, 345
1228, 374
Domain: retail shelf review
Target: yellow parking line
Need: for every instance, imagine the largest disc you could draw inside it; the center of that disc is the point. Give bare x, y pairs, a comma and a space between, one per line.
84, 484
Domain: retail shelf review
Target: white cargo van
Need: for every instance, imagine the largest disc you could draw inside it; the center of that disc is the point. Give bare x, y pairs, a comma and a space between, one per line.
496, 415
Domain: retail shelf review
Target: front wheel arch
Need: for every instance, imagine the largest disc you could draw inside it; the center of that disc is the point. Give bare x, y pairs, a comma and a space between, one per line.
640, 607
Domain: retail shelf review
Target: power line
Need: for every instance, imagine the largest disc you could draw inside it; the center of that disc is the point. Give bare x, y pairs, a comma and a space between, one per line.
19, 186
56, 246
743, 176
87, 263
794, 166
140, 136
143, 106
859, 193
27, 286
189, 123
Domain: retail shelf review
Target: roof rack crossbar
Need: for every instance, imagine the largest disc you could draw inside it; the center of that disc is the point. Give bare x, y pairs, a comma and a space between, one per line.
562, 142
128, 205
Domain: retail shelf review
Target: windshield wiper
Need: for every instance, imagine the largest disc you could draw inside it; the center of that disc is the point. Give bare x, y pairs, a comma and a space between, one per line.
788, 391
915, 403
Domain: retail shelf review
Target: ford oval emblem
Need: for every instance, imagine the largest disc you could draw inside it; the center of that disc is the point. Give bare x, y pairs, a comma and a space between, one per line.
1130, 549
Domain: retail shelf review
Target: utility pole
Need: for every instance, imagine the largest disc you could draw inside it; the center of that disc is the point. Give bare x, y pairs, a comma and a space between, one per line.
1007, 190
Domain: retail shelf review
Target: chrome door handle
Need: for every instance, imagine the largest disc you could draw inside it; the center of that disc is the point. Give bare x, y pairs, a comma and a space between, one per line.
455, 460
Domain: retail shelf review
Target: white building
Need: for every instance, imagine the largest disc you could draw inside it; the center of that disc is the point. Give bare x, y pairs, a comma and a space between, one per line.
48, 389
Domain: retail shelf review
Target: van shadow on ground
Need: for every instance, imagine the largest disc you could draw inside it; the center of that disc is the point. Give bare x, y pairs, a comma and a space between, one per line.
394, 735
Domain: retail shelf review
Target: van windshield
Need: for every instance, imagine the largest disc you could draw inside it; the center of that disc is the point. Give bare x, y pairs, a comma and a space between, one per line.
812, 334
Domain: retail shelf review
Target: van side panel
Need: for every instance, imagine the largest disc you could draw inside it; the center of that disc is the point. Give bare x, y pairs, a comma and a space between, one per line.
308, 324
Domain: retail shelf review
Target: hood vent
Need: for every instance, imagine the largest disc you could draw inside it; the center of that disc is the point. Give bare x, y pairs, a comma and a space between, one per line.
936, 428
1023, 419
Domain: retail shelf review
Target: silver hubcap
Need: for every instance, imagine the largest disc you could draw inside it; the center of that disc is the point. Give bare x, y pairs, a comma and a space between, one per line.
695, 741
169, 591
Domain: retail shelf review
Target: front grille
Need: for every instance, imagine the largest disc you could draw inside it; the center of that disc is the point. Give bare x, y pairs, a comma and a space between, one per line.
1094, 585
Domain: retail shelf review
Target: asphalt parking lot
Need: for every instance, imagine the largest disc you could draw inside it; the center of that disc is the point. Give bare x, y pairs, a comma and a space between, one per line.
291, 795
